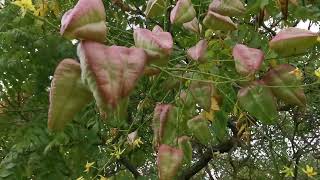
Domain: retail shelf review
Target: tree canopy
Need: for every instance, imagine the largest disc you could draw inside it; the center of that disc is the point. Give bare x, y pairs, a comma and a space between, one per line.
159, 89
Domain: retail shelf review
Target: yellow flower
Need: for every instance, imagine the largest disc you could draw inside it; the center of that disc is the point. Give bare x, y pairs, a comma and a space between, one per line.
137, 142
88, 167
25, 5
287, 171
42, 10
317, 72
80, 178
117, 152
309, 171
297, 72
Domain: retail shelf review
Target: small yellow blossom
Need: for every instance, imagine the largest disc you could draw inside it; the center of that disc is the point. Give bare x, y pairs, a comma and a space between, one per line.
103, 178
117, 152
25, 5
80, 178
317, 72
42, 10
309, 171
287, 171
88, 167
297, 72
137, 142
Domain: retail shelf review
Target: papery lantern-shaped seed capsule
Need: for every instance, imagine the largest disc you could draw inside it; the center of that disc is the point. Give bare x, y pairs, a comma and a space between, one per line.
68, 95
185, 99
164, 124
132, 137
157, 44
227, 7
293, 41
286, 79
155, 8
200, 129
183, 12
185, 145
202, 93
198, 52
157, 29
85, 21
111, 72
247, 60
216, 21
193, 26
258, 100
169, 161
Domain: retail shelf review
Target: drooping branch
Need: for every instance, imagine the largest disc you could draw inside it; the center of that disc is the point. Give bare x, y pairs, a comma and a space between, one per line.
206, 157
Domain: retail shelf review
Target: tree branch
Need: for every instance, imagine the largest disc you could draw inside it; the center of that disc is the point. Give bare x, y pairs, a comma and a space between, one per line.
130, 167
268, 29
206, 157
209, 173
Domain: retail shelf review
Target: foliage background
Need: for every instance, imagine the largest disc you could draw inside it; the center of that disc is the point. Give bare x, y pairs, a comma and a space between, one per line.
31, 47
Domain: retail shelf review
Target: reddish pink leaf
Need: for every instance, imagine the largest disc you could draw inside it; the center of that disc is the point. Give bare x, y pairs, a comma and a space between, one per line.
169, 161
216, 21
85, 21
111, 72
247, 60
182, 12
292, 41
157, 44
198, 52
